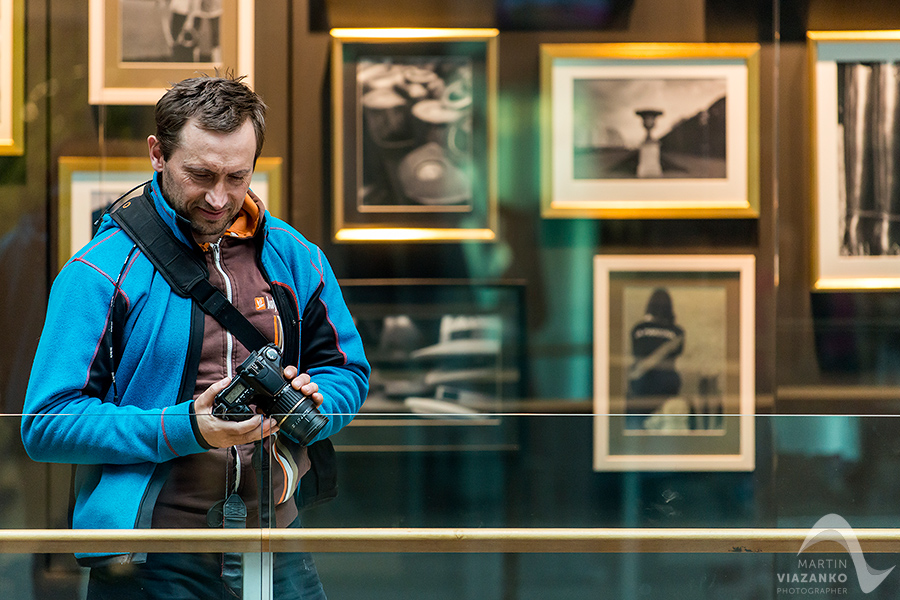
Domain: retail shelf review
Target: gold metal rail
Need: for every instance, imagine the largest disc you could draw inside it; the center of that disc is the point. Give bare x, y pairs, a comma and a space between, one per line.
477, 540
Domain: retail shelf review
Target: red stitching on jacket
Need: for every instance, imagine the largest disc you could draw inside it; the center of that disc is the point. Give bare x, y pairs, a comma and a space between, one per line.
318, 268
162, 422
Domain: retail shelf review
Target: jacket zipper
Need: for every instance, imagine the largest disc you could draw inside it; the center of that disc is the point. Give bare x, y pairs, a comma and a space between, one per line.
229, 340
229, 347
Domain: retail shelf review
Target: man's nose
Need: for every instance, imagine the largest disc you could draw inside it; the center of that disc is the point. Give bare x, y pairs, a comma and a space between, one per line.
217, 196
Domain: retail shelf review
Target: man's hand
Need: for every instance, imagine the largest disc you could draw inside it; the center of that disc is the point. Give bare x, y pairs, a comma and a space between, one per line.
302, 383
219, 433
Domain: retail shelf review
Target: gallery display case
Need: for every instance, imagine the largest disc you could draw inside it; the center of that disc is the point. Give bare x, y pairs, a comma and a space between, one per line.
625, 272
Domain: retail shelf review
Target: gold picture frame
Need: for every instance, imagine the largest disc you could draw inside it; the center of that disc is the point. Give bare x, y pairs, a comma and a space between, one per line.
139, 49
620, 124
12, 77
414, 134
88, 185
856, 241
674, 363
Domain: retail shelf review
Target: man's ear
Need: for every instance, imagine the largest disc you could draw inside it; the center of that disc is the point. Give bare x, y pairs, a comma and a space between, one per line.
156, 155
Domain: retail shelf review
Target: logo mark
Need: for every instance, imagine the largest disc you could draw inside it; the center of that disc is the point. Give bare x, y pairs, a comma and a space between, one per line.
264, 302
835, 528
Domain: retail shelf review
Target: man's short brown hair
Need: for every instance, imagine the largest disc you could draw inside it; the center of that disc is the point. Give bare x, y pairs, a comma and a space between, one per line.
219, 104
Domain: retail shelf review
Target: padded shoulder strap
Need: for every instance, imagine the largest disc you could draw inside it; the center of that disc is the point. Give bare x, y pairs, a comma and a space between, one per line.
135, 213
184, 272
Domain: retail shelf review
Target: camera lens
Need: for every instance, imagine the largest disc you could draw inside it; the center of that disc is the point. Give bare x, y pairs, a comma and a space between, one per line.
297, 416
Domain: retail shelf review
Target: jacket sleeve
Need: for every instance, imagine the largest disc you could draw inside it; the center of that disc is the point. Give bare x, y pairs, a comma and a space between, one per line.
332, 351
69, 414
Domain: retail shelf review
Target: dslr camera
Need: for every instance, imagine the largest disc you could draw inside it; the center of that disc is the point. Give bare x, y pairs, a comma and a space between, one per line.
260, 381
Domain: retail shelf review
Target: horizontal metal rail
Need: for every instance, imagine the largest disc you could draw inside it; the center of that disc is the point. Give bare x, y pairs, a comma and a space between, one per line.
472, 540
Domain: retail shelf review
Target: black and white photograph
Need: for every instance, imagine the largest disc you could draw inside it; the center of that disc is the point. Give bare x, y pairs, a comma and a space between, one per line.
673, 337
649, 130
673, 362
868, 118
137, 48
414, 134
857, 159
440, 348
417, 132
186, 31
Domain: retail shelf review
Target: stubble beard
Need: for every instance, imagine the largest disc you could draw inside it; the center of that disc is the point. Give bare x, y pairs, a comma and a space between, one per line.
198, 225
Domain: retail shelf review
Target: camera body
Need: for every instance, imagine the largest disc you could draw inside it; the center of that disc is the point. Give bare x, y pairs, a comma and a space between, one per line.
260, 381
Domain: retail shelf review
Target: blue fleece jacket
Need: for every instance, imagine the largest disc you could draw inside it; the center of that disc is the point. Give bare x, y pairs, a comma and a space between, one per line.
111, 312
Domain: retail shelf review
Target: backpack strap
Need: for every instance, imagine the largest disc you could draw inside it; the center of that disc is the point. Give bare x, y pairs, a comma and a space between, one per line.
184, 272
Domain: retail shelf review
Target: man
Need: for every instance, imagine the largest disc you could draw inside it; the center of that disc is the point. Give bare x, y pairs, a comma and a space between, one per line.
135, 368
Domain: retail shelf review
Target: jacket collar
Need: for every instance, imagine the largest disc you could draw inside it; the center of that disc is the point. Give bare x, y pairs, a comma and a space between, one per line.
249, 222
179, 225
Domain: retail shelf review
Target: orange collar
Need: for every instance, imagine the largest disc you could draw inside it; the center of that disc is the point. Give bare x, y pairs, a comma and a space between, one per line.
246, 222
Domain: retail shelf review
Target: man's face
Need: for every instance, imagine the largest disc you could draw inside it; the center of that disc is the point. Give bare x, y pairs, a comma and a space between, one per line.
207, 176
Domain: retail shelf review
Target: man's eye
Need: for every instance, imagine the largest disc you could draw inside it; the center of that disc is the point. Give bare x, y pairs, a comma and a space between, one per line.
201, 176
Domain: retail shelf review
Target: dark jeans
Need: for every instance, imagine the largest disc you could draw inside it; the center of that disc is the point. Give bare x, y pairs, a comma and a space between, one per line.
184, 576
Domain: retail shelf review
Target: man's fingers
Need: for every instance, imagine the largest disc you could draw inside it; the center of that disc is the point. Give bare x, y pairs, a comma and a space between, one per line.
256, 425
204, 401
220, 433
256, 428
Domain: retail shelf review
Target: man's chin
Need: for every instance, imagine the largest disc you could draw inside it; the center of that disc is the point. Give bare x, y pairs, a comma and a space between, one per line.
207, 229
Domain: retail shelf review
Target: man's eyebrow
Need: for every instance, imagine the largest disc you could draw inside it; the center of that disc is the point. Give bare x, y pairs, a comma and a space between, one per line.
198, 169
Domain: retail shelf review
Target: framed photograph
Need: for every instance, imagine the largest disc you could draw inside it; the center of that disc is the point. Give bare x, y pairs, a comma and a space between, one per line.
637, 131
856, 168
414, 134
446, 354
88, 185
440, 346
12, 77
674, 368
139, 48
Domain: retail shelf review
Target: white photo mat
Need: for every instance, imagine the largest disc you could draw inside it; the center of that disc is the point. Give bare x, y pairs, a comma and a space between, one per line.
833, 267
735, 194
114, 80
659, 193
11, 77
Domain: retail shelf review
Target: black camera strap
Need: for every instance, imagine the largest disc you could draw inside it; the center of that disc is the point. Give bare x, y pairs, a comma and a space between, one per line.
184, 272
